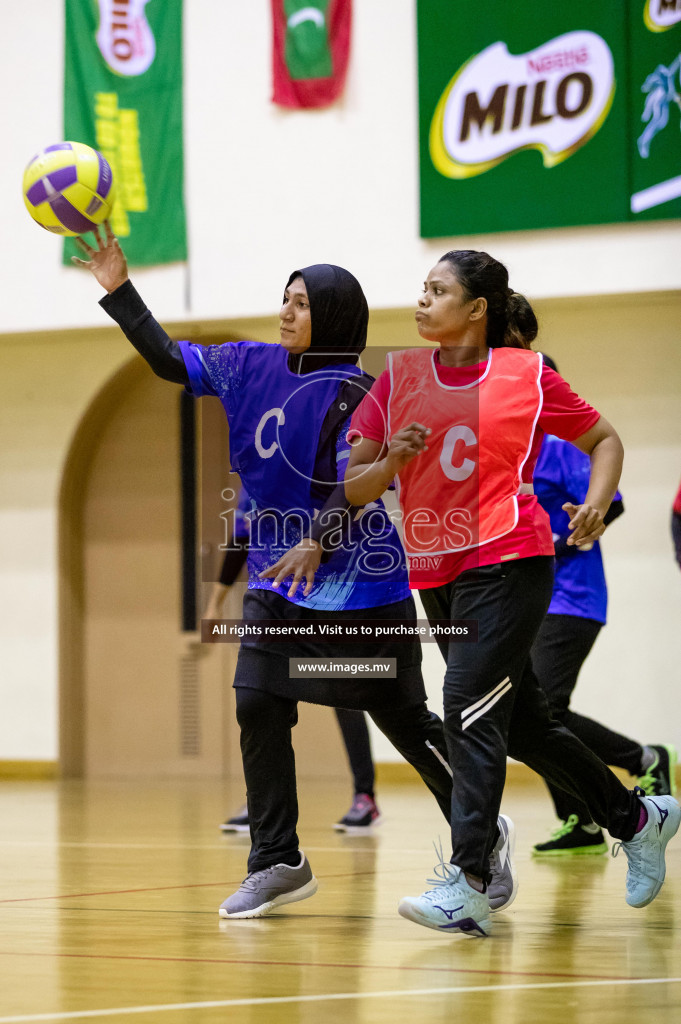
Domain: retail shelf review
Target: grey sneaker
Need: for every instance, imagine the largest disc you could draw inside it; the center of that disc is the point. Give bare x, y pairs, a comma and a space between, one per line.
261, 892
503, 888
645, 852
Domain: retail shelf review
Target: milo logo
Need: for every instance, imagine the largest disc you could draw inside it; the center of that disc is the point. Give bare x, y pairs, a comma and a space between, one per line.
553, 98
659, 15
124, 37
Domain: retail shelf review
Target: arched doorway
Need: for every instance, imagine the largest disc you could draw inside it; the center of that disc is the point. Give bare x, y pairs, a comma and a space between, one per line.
138, 696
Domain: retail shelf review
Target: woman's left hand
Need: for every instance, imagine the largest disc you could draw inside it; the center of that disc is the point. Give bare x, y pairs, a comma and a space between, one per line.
107, 262
301, 562
586, 525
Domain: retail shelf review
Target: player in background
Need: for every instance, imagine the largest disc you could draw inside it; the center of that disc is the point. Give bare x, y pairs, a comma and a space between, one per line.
461, 427
676, 526
575, 617
363, 813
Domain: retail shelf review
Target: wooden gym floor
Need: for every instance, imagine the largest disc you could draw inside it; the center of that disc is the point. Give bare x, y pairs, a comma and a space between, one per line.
108, 911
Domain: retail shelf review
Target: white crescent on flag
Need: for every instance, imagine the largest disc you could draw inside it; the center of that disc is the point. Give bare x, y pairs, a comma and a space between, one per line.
306, 14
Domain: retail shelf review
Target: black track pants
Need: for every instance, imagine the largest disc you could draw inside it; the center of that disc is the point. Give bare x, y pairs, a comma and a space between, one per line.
266, 722
355, 731
558, 653
494, 706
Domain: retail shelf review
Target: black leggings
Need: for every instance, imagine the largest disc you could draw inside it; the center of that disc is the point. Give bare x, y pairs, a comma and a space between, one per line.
355, 731
558, 653
494, 706
266, 722
676, 535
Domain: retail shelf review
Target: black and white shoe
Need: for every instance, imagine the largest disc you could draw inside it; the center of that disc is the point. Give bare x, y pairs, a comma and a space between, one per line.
239, 823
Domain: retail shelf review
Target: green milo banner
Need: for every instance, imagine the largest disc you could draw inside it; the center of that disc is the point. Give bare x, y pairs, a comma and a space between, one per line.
655, 102
531, 114
123, 96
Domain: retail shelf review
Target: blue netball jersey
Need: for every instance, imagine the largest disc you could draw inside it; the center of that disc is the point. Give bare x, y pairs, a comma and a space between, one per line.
562, 474
275, 420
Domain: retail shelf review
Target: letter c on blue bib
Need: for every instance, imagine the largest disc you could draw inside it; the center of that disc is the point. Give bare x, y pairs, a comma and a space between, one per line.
267, 453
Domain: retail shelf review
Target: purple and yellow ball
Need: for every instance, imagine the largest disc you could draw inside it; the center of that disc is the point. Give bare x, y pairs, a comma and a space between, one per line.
69, 188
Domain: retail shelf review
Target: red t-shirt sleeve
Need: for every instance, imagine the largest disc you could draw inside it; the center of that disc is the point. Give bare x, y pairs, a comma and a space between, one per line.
563, 412
370, 418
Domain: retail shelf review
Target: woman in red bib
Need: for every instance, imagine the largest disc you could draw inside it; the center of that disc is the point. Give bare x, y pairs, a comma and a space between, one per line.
460, 427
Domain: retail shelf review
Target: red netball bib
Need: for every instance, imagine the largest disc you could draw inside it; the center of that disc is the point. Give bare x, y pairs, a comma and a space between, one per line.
462, 492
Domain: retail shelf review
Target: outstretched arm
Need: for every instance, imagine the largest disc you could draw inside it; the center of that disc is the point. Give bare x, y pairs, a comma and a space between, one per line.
108, 266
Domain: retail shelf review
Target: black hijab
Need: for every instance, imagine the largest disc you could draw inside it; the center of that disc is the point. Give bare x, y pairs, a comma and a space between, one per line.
339, 316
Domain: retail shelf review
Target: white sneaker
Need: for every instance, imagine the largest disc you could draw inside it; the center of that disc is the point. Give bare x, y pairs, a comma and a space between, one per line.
503, 887
453, 906
645, 852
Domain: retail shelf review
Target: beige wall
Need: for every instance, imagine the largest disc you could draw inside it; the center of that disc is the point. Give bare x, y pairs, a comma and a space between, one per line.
624, 355
621, 353
48, 382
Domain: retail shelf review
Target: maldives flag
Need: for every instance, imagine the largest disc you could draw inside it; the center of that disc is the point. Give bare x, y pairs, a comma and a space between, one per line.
311, 46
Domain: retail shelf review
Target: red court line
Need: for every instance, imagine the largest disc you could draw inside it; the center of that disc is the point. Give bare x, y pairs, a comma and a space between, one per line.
114, 892
156, 888
312, 963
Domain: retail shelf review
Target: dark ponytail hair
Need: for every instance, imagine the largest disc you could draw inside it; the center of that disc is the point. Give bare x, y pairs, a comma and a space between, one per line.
511, 321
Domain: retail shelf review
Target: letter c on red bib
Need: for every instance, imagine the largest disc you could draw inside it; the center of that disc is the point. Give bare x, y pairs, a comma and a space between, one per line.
465, 468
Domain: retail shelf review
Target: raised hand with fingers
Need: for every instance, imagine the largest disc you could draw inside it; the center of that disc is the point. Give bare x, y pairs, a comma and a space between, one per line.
107, 262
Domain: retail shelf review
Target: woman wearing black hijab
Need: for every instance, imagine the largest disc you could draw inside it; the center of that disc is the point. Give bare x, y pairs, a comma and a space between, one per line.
288, 407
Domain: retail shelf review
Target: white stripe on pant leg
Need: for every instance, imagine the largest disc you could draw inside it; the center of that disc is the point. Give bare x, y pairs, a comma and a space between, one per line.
483, 700
440, 757
487, 706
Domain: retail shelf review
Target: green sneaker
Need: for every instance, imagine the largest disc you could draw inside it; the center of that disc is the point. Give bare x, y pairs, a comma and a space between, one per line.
571, 838
660, 776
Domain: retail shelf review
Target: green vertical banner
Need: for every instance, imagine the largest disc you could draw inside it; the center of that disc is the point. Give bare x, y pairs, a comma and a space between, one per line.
123, 96
523, 114
655, 103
